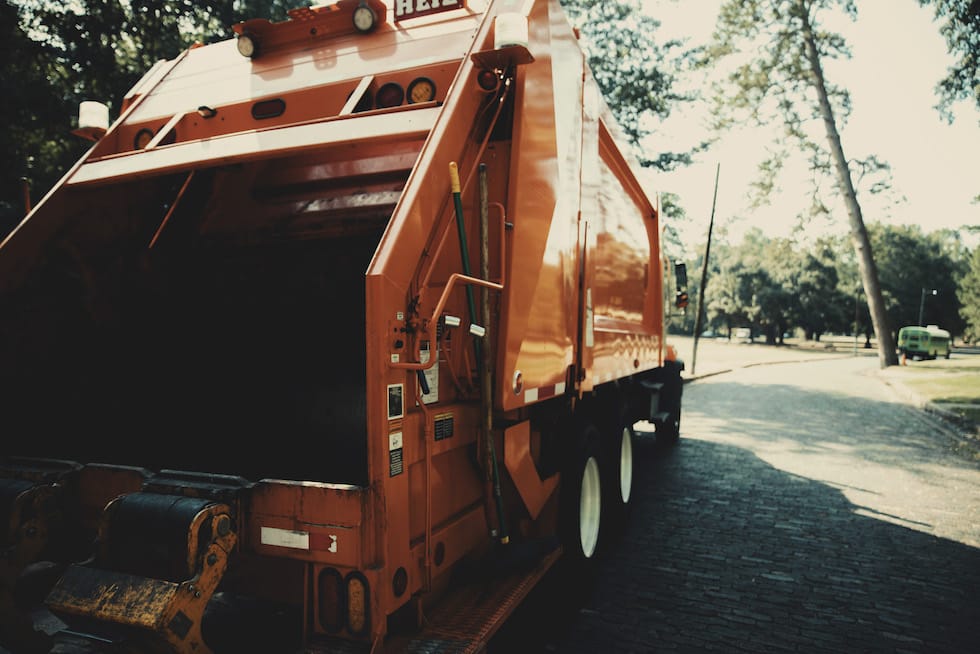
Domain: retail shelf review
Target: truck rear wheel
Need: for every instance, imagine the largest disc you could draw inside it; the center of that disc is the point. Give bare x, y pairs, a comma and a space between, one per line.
626, 466
618, 479
582, 498
590, 507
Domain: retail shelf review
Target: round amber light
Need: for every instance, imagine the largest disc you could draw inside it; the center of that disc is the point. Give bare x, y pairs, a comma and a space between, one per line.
422, 89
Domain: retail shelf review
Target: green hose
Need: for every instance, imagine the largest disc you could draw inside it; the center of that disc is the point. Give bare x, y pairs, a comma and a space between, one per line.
464, 249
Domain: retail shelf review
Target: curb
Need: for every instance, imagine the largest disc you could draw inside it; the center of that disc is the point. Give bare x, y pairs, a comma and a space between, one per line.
688, 380
967, 428
765, 363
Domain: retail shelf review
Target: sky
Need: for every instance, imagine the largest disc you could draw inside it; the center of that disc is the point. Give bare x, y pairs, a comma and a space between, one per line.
898, 57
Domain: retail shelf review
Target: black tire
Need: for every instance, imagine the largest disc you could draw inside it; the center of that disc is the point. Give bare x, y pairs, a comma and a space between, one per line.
617, 482
581, 499
669, 431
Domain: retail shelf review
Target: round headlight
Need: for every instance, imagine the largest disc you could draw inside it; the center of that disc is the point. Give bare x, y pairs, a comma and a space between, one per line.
364, 18
247, 45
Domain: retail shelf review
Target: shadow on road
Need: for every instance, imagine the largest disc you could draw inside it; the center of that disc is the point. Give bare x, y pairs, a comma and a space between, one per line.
725, 552
774, 413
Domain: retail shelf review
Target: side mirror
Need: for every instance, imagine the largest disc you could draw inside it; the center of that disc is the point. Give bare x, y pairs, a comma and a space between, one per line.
680, 275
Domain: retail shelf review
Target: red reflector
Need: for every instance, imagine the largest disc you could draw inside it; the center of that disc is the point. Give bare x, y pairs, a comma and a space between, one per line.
268, 109
142, 137
331, 595
389, 95
487, 79
399, 583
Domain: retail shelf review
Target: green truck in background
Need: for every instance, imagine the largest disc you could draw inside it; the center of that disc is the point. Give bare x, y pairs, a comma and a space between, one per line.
927, 342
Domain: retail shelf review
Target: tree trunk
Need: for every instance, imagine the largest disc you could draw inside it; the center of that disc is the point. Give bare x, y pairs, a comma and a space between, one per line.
859, 234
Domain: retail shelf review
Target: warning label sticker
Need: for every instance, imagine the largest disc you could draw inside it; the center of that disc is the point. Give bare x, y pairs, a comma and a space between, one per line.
396, 465
444, 426
396, 404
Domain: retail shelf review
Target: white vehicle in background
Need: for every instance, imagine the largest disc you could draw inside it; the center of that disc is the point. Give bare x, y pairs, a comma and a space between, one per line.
742, 335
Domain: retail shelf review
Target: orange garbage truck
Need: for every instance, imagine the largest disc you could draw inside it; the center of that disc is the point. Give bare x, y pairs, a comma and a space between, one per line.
337, 317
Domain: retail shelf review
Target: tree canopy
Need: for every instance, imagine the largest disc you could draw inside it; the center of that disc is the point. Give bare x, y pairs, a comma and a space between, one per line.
636, 73
960, 26
775, 285
775, 51
913, 265
57, 54
970, 297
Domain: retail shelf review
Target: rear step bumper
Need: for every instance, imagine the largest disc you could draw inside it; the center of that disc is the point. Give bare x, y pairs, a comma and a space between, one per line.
468, 618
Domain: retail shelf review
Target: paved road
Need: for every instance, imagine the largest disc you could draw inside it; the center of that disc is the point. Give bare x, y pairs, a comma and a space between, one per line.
806, 509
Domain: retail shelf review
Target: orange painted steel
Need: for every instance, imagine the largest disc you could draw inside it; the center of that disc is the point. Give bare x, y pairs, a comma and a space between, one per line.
242, 291
533, 490
429, 323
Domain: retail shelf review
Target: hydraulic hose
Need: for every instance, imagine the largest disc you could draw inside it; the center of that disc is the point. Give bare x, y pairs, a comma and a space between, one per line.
481, 365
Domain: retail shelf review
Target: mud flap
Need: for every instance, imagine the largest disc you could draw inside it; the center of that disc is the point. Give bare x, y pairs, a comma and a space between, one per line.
665, 390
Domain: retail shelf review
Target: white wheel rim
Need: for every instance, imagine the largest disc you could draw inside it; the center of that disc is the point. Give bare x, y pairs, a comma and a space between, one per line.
626, 466
590, 508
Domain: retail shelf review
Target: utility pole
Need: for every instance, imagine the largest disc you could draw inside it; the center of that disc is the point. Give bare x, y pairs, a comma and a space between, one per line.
922, 303
704, 275
855, 323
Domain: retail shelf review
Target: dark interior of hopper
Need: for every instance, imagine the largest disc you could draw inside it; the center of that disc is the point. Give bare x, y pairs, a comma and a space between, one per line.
237, 353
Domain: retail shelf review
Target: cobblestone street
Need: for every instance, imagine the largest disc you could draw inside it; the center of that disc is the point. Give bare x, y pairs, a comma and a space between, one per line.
806, 509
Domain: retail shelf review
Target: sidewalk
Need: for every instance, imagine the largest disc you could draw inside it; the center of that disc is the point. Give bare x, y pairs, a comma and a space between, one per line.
715, 356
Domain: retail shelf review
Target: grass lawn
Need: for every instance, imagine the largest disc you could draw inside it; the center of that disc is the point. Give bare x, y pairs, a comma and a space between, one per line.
955, 383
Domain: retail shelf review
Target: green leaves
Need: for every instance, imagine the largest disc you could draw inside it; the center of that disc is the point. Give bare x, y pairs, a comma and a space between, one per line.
56, 54
910, 260
969, 295
775, 285
636, 74
960, 26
